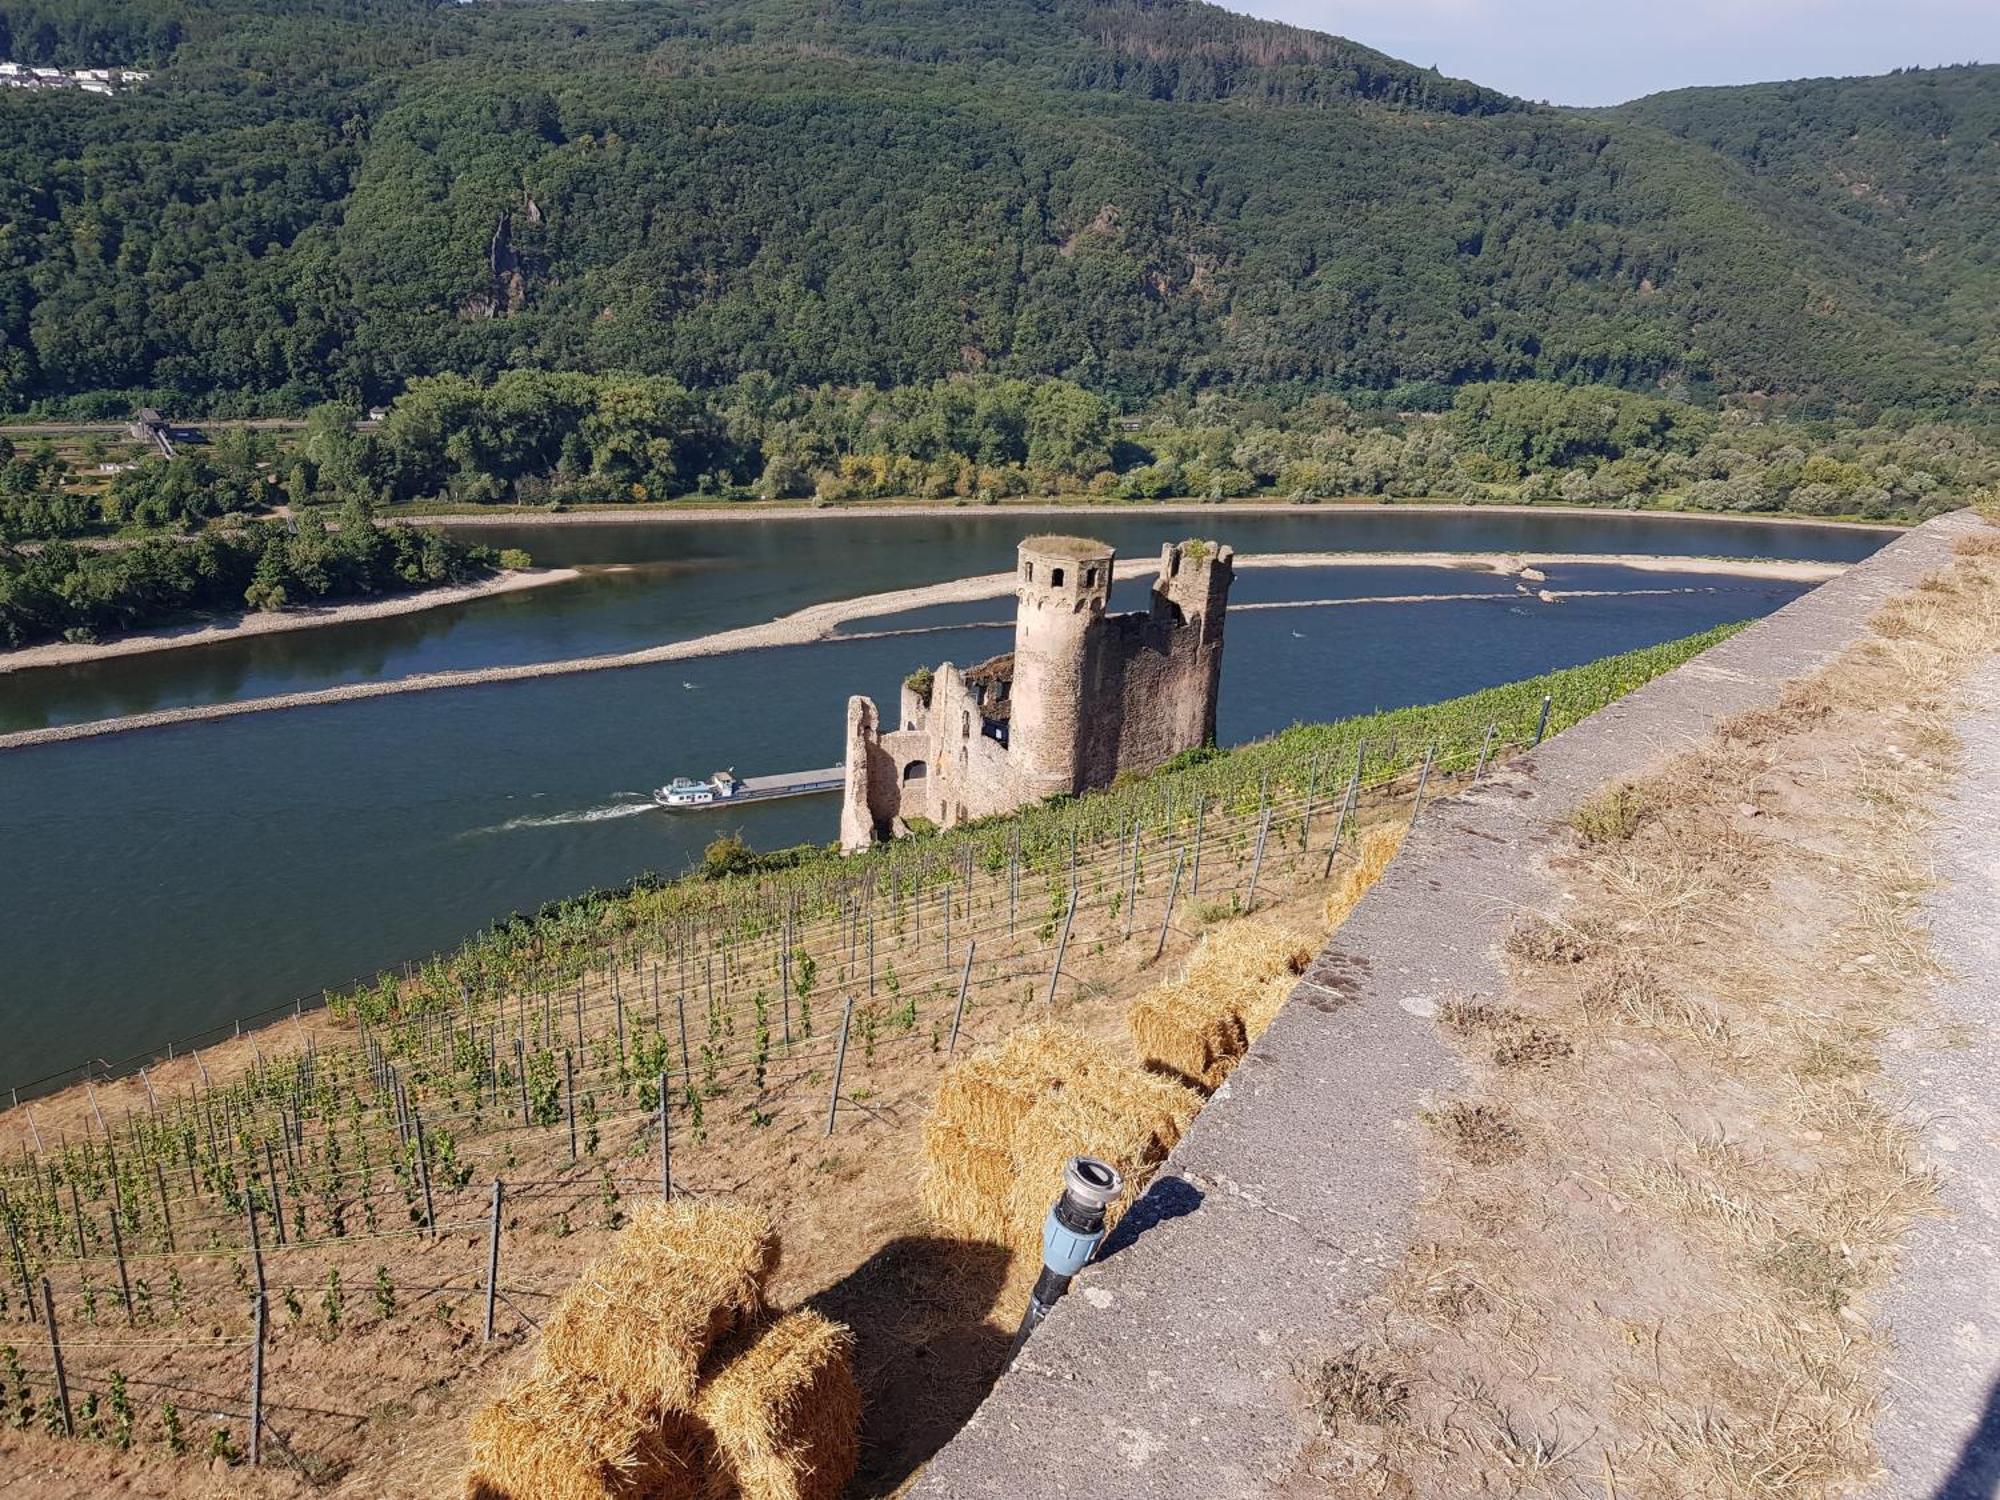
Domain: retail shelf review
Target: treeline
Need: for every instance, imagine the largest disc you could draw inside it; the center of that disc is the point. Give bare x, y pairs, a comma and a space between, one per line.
59, 591
1141, 198
539, 439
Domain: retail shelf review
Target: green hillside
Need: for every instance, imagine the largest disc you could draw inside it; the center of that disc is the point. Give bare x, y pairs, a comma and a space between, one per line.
320, 200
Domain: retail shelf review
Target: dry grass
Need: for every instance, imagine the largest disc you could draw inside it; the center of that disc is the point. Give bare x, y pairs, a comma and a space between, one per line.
1479, 1134
1376, 847
1661, 1211
1355, 1388
680, 1277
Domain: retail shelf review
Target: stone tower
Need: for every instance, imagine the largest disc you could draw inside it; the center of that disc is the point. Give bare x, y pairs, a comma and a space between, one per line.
1063, 586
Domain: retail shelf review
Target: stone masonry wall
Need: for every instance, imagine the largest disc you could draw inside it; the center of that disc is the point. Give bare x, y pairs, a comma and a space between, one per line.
1092, 695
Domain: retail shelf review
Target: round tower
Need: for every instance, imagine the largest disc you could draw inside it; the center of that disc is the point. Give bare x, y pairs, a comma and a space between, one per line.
1063, 585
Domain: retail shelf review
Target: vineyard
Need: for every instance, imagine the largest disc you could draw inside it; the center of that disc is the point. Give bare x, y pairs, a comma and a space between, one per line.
281, 1248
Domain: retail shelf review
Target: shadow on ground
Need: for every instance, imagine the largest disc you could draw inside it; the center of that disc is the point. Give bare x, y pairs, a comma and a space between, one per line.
1976, 1475
925, 1353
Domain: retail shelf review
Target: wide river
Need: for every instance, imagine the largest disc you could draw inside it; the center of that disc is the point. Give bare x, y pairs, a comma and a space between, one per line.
159, 883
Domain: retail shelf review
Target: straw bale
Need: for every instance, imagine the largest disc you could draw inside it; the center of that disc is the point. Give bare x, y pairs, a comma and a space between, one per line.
1229, 991
965, 1183
1375, 848
1157, 1106
558, 1437
1253, 948
781, 1406
681, 1276
1178, 1028
985, 1096
1068, 1093
1073, 1124
1262, 1008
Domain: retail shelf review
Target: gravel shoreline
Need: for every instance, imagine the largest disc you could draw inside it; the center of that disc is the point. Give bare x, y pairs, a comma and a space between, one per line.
819, 621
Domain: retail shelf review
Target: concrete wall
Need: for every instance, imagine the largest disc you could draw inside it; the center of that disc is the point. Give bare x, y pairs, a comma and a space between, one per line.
1167, 1372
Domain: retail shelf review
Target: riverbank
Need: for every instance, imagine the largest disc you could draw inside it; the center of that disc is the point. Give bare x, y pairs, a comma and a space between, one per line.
822, 621
274, 622
774, 510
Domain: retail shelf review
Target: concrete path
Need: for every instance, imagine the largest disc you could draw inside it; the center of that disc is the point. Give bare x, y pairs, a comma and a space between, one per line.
1940, 1428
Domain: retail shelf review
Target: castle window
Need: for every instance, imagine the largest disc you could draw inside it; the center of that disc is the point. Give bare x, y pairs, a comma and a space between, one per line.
1090, 578
916, 770
1028, 571
1055, 577
965, 726
1174, 567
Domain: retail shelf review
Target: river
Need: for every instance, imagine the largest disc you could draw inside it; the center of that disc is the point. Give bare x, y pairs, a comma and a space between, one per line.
159, 883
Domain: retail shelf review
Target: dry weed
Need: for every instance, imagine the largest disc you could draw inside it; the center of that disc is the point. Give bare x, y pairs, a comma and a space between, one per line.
1543, 940
1634, 992
1714, 1183
1355, 1387
1611, 817
1480, 1134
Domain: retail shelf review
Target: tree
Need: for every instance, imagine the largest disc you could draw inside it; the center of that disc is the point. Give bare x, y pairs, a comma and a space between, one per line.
1069, 430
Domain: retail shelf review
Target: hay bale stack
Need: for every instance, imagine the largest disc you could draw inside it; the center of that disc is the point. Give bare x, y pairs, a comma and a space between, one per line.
1375, 848
1199, 1026
1249, 967
556, 1437
783, 1411
662, 1377
985, 1096
681, 1276
1008, 1117
966, 1179
1132, 1129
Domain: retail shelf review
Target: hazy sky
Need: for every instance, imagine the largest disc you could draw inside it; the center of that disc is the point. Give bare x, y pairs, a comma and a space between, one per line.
1607, 51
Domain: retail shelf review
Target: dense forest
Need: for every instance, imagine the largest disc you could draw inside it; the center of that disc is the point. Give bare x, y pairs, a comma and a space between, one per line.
327, 200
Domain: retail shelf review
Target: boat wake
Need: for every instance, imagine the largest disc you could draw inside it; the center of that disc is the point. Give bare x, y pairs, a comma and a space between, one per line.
627, 804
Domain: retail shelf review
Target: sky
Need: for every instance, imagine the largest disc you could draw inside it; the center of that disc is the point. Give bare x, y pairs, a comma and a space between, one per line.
1608, 51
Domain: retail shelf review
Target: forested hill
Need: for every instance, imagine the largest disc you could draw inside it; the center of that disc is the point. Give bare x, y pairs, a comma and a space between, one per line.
321, 198
1902, 172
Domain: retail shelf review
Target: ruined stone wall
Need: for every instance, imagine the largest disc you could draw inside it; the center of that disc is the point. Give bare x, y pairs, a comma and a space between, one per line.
869, 776
976, 776
1091, 695
1162, 686
1154, 679
965, 774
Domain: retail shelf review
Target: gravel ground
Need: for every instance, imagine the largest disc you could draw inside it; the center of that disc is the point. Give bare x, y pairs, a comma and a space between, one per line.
1940, 1429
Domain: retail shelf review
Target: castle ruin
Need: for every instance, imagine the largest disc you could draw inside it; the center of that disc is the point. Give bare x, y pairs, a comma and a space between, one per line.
1083, 695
